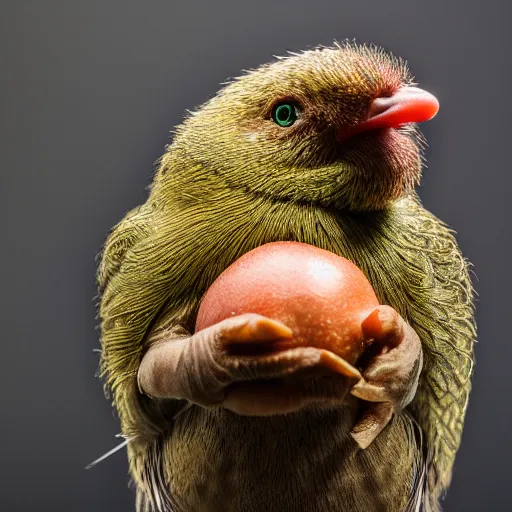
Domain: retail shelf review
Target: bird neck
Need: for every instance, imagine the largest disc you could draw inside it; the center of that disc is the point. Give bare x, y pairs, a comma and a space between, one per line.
203, 226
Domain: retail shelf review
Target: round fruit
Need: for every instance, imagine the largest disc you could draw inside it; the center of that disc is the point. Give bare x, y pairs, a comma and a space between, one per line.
322, 297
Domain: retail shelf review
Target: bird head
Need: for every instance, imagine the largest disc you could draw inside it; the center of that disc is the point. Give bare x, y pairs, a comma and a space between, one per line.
333, 127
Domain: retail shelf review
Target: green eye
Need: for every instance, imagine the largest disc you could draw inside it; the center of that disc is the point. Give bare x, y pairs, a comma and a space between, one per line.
285, 114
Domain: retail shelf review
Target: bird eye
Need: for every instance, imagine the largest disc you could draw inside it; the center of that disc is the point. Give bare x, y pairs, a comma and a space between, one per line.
285, 114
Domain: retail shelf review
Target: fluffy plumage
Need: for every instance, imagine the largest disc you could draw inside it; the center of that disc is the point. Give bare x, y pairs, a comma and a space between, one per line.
232, 180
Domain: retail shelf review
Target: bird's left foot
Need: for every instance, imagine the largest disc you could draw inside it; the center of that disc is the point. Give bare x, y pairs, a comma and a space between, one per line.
391, 371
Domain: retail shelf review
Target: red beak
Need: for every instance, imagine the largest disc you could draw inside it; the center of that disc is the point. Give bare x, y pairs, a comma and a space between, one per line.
407, 105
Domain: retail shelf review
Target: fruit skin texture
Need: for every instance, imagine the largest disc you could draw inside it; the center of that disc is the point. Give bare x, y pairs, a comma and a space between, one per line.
322, 297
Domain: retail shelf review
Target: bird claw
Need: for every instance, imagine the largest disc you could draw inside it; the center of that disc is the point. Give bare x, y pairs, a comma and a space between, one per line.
372, 421
235, 364
370, 392
390, 379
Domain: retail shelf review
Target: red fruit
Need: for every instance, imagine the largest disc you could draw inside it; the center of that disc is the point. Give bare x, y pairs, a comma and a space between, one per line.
322, 297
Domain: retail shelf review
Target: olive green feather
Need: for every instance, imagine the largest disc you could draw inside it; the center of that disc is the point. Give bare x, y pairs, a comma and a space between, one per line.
229, 183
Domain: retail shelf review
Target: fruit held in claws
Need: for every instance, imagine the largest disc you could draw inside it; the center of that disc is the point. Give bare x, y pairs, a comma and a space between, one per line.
322, 297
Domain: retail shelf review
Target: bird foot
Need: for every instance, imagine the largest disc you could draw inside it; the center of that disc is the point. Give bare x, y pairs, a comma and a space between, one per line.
391, 372
247, 364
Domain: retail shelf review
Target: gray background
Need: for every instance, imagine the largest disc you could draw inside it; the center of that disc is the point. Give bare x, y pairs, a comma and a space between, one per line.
89, 92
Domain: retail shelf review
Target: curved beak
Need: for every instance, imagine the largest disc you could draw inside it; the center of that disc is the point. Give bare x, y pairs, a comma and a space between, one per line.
407, 105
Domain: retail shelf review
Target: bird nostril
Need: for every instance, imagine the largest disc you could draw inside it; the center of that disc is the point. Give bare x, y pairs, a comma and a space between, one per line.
378, 106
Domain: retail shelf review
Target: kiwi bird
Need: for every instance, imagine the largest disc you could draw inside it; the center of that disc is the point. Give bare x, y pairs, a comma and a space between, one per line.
319, 147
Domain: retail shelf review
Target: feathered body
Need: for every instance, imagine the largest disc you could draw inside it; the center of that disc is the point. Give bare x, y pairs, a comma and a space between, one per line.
231, 182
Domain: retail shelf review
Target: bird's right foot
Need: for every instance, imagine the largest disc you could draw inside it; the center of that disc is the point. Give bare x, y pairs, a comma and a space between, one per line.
248, 364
